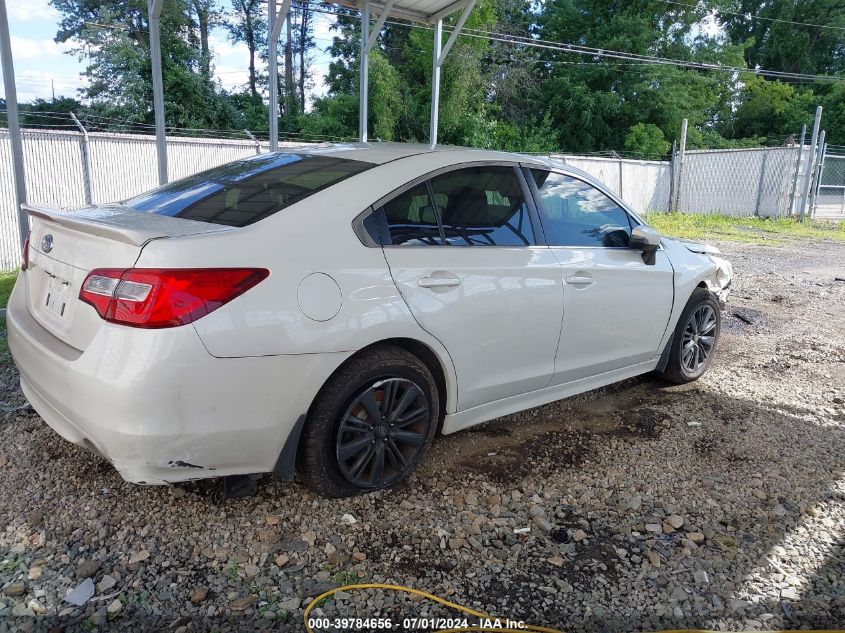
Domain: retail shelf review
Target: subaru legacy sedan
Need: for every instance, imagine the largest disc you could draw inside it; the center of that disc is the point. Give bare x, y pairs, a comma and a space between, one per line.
329, 311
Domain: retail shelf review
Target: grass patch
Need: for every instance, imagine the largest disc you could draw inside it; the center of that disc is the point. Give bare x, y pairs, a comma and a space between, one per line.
7, 282
770, 231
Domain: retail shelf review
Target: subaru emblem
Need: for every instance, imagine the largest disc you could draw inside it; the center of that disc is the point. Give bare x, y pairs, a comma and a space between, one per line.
47, 243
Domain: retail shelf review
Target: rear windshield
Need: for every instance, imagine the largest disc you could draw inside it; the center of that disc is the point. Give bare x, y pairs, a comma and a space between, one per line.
246, 191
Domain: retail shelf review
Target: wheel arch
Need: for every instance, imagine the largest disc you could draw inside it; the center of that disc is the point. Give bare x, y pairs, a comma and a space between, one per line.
438, 362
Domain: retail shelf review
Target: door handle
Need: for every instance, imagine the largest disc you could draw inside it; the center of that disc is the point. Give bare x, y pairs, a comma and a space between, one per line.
438, 282
579, 280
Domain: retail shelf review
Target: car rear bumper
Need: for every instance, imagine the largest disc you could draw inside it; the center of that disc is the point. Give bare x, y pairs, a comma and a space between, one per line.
157, 405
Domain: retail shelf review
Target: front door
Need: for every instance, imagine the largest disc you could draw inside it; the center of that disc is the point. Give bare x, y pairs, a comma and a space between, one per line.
616, 307
465, 259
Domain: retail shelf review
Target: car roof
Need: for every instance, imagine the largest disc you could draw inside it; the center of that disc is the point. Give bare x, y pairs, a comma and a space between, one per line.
381, 152
384, 152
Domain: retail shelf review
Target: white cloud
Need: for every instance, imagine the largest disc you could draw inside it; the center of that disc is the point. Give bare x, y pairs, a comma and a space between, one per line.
32, 84
224, 51
322, 30
25, 48
30, 10
232, 77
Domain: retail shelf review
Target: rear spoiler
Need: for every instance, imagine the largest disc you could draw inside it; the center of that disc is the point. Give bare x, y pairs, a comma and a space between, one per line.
120, 223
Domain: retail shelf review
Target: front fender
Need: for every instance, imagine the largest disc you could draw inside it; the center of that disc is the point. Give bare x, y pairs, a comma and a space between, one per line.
693, 267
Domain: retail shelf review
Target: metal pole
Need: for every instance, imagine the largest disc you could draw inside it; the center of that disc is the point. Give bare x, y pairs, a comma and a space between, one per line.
254, 140
363, 73
86, 162
274, 29
842, 204
158, 89
814, 200
455, 31
273, 69
808, 176
620, 176
682, 148
797, 170
14, 124
760, 180
671, 200
435, 83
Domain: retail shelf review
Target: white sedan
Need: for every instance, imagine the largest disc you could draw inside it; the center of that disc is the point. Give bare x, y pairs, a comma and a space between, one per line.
328, 311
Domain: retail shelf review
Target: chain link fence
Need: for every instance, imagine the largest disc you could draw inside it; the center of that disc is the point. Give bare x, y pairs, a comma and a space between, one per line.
737, 182
830, 201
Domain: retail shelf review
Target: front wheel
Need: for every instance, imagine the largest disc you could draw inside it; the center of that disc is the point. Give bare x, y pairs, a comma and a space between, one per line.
370, 424
695, 338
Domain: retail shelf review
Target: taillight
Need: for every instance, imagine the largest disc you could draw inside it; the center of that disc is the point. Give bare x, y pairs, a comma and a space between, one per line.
160, 298
25, 253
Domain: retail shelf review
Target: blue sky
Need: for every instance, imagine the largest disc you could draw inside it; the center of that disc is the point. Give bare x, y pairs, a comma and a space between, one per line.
42, 65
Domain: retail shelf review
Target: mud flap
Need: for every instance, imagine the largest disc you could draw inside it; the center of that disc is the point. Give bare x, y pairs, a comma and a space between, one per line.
286, 463
664, 357
238, 486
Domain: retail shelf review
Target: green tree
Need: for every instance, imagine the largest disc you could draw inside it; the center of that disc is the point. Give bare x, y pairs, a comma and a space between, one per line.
248, 25
787, 35
594, 102
646, 140
771, 108
113, 37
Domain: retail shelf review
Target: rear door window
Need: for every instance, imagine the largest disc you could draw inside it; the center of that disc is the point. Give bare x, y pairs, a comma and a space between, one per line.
482, 206
411, 219
247, 191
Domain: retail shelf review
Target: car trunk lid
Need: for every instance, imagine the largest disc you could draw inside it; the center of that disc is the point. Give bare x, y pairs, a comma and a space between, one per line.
65, 246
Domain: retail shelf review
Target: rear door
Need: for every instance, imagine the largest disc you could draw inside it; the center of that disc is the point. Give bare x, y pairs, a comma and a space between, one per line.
462, 250
616, 307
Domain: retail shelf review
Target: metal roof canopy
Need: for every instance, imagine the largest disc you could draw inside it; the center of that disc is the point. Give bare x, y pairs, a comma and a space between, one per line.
421, 11
424, 11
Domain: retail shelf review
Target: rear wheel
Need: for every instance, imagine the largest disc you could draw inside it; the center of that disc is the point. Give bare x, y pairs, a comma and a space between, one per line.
695, 338
370, 424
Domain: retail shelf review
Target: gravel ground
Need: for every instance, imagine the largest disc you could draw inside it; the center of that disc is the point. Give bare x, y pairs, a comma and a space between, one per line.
719, 504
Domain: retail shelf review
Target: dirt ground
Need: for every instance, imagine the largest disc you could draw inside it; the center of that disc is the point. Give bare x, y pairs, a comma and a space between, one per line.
719, 504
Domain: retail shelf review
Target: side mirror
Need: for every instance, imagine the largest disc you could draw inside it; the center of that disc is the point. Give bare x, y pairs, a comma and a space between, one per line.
645, 239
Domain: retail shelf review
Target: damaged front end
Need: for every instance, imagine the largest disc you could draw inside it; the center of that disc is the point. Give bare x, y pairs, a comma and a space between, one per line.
719, 283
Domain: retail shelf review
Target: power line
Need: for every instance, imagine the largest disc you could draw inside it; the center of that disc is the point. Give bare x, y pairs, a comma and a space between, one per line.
577, 49
752, 16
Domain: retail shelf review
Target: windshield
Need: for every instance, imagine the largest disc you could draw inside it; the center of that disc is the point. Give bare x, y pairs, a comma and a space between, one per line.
246, 191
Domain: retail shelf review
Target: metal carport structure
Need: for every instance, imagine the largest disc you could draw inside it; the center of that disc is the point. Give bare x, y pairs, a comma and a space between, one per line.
429, 12
421, 11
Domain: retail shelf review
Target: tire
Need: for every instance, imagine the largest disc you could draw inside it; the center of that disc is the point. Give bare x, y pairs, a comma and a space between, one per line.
348, 412
701, 320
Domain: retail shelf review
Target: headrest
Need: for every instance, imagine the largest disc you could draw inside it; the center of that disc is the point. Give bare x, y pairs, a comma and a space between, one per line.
467, 207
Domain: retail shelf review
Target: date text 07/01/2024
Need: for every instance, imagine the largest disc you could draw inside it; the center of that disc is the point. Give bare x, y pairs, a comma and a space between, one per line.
413, 623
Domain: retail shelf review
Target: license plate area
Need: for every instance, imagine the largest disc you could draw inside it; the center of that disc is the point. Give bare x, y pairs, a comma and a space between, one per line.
55, 300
